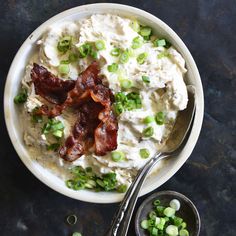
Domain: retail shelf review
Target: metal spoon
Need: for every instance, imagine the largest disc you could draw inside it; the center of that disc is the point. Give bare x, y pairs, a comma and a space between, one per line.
173, 146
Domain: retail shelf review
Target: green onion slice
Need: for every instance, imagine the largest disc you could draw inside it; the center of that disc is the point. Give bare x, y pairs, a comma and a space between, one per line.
100, 45
76, 234
64, 69
113, 67
117, 156
64, 44
71, 219
160, 118
115, 52
124, 57
144, 153
183, 232
148, 120
172, 230
21, 97
126, 84
169, 211
142, 57
145, 31
137, 42
144, 224
146, 79
85, 50
122, 188
148, 132
135, 26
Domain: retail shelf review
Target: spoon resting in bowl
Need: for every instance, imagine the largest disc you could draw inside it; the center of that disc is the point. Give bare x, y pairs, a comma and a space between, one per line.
173, 146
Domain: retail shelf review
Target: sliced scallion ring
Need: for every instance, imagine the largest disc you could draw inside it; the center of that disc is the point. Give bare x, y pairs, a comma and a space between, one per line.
71, 219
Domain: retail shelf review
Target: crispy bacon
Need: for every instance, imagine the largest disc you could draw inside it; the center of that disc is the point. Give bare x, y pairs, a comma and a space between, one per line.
96, 125
48, 86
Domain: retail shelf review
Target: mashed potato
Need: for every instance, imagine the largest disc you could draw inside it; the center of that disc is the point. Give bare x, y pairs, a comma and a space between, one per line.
158, 78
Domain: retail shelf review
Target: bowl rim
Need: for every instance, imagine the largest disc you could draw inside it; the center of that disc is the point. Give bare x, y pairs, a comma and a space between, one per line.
174, 194
116, 197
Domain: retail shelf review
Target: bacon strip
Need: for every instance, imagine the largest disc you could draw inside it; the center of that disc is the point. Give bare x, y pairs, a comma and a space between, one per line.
96, 125
48, 86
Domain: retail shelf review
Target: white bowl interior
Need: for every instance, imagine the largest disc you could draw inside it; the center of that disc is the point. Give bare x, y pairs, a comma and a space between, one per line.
16, 73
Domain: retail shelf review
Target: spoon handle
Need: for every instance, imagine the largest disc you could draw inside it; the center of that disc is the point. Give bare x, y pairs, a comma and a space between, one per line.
120, 223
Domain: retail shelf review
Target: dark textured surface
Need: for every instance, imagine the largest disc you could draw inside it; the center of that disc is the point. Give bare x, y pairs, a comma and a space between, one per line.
27, 207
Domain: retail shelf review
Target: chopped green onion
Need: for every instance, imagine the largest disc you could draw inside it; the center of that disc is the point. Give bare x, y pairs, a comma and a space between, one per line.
93, 54
137, 42
21, 97
112, 68
163, 54
148, 132
144, 224
126, 84
57, 126
85, 50
71, 219
120, 97
172, 230
183, 225
128, 102
152, 215
160, 210
135, 26
145, 31
178, 221
115, 52
100, 45
69, 183
73, 57
161, 224
122, 188
144, 153
76, 234
160, 118
146, 79
183, 232
53, 147
117, 156
154, 231
175, 204
118, 107
142, 57
156, 202
169, 212
148, 120
160, 42
124, 57
64, 69
58, 133
64, 44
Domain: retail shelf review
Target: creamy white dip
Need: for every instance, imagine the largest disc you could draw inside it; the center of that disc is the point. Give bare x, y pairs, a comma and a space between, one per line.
166, 92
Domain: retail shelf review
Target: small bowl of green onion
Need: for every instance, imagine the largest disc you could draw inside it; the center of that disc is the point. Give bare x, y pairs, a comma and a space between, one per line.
167, 213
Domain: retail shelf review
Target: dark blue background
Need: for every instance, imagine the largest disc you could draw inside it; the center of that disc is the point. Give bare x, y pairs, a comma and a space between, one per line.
208, 27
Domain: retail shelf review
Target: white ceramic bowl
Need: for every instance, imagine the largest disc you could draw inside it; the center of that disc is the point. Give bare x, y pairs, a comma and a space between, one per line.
17, 71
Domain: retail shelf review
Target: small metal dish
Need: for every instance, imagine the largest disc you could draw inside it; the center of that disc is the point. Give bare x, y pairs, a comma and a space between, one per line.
187, 211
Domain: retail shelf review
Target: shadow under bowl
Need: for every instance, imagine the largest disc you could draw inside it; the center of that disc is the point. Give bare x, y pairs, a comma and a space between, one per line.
187, 211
